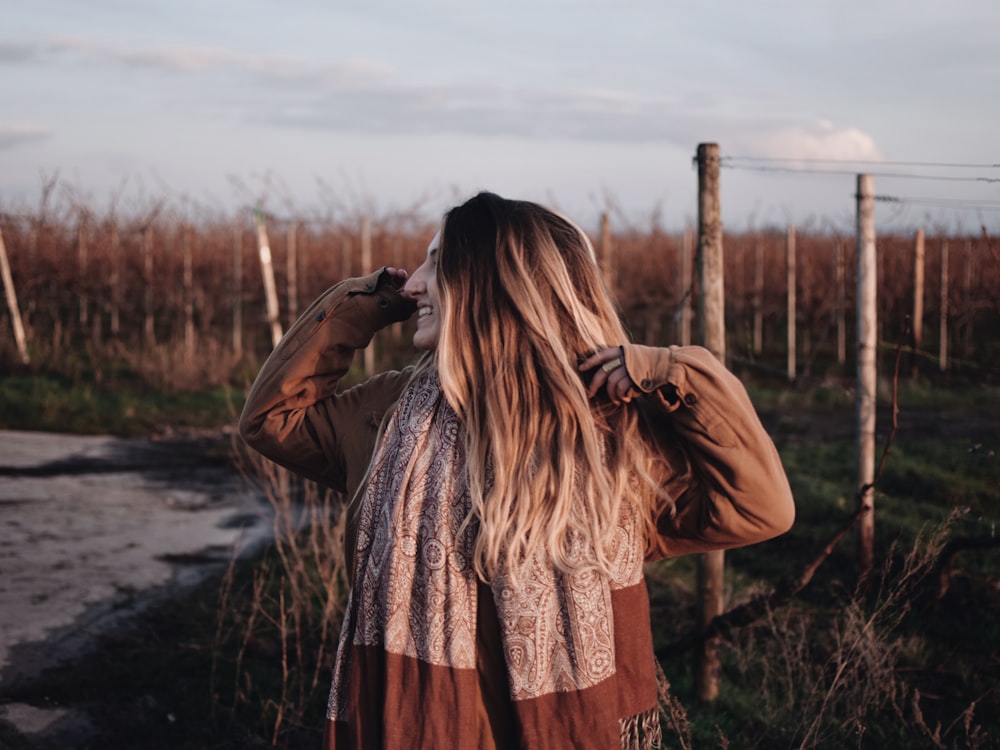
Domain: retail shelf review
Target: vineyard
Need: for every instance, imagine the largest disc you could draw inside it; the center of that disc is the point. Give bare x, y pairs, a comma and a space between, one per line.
179, 302
165, 303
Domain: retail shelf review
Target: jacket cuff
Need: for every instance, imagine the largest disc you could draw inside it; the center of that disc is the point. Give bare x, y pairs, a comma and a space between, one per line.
392, 306
653, 370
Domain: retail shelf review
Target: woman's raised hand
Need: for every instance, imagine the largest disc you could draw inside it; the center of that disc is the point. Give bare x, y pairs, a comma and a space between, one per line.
607, 371
397, 276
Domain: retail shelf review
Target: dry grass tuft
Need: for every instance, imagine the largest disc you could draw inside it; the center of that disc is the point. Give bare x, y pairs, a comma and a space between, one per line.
291, 607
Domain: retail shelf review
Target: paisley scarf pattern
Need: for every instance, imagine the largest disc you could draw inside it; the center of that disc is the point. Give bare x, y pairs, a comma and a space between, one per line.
415, 586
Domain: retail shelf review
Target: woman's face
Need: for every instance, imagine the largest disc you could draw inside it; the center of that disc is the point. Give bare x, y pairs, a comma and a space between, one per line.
422, 288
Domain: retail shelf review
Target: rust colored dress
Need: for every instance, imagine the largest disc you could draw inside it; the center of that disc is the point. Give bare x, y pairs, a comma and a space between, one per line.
432, 657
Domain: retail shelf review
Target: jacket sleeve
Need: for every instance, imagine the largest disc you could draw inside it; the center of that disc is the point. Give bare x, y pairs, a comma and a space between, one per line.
294, 413
728, 487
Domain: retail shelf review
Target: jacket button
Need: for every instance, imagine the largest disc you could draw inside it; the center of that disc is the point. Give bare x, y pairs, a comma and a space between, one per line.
646, 384
320, 316
383, 302
690, 399
369, 287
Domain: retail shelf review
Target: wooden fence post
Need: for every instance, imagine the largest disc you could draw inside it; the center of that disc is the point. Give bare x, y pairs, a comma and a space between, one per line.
918, 300
267, 271
712, 322
790, 268
943, 349
15, 311
866, 370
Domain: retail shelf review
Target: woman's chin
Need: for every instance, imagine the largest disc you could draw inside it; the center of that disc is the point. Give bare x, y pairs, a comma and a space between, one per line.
423, 342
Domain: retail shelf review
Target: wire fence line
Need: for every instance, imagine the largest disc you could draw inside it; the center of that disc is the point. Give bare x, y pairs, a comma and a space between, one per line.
159, 292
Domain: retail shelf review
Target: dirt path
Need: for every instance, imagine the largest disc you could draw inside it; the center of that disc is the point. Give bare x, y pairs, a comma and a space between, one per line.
93, 529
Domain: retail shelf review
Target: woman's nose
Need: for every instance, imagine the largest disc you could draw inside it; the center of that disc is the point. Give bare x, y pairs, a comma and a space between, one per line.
413, 285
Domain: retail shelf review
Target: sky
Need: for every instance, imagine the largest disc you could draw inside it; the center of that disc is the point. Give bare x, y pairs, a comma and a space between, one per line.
588, 106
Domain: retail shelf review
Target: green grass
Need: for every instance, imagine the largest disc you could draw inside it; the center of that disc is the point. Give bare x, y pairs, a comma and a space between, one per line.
117, 401
127, 408
943, 457
837, 395
942, 466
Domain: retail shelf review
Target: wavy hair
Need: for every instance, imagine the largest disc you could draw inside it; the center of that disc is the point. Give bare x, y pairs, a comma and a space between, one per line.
523, 303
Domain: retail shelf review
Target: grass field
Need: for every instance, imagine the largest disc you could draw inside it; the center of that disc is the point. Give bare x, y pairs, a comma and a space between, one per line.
914, 661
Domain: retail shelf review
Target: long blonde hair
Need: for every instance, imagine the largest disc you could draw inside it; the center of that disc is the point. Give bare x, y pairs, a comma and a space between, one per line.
523, 303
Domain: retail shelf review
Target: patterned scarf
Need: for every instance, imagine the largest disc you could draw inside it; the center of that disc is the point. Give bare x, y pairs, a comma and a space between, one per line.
413, 556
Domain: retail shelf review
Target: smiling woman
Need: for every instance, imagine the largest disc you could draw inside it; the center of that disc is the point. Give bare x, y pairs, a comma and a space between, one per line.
507, 488
422, 289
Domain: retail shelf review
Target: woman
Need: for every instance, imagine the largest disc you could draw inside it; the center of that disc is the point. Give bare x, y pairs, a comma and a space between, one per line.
508, 488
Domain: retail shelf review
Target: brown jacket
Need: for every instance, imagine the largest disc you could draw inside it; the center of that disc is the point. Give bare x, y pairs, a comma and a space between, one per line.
697, 413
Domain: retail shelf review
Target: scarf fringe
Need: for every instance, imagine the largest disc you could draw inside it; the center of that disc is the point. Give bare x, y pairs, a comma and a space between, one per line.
642, 731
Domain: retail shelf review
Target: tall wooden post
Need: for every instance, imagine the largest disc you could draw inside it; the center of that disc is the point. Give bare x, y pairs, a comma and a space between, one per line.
15, 312
943, 349
712, 323
366, 268
918, 299
867, 378
711, 299
267, 271
792, 304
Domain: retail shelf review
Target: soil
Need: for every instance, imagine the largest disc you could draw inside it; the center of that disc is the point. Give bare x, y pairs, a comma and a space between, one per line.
94, 530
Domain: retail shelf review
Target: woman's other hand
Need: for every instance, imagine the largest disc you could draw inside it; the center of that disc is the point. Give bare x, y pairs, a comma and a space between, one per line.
607, 370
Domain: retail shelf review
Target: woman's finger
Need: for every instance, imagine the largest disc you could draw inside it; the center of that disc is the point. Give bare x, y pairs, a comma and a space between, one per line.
601, 358
397, 274
607, 371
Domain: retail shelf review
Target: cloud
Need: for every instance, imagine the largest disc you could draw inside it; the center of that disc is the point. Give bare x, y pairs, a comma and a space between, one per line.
15, 135
809, 141
369, 96
186, 60
824, 141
